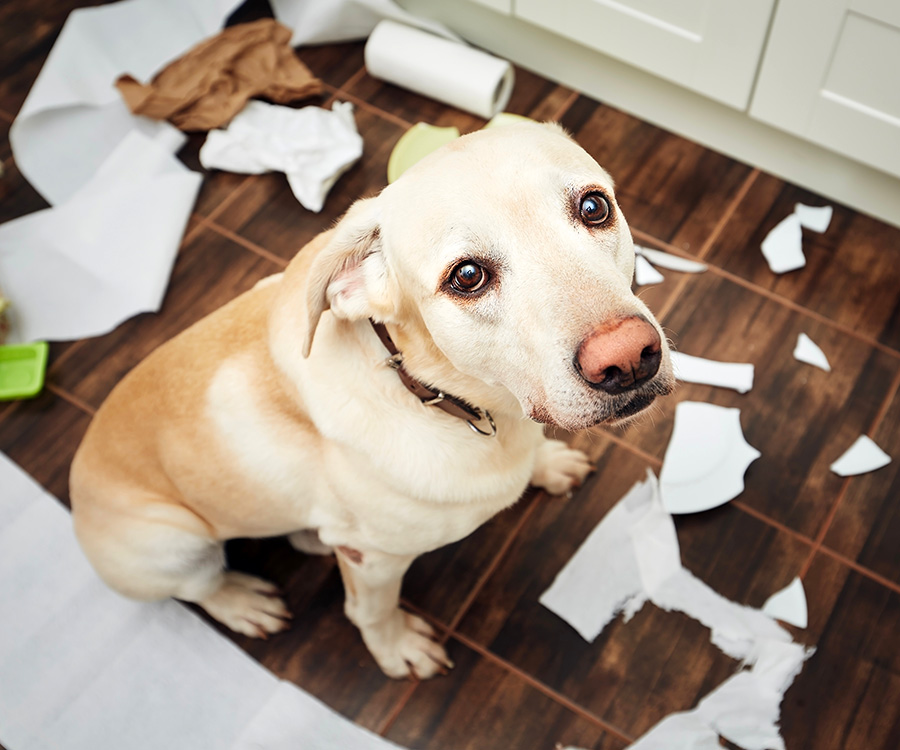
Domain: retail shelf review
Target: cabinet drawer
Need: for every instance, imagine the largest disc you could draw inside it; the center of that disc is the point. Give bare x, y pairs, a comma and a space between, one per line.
709, 46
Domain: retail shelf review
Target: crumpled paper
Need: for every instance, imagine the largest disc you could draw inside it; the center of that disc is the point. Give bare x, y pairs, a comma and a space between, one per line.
208, 85
634, 552
312, 146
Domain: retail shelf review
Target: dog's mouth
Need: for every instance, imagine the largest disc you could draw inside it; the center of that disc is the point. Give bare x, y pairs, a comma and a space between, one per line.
634, 407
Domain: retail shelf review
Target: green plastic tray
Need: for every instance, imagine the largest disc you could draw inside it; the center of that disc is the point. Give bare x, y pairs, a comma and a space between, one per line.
22, 369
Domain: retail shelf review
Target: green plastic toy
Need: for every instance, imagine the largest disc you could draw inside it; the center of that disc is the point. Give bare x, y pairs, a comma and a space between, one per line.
22, 368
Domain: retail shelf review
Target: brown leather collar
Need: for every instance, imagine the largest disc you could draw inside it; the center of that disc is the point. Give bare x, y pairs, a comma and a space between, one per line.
429, 396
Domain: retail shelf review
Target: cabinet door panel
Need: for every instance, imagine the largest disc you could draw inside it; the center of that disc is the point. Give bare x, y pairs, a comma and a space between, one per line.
832, 75
709, 46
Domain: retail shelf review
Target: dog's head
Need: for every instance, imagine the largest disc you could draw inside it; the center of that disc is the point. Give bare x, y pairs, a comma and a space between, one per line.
505, 257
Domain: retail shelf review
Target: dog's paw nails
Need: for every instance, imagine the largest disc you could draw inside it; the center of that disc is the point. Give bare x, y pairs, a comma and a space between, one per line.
248, 605
412, 652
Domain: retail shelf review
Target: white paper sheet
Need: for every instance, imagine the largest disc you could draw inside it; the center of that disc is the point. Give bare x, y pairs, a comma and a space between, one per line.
672, 262
789, 604
861, 457
103, 255
83, 668
806, 350
645, 273
632, 556
706, 458
814, 218
783, 246
312, 146
73, 117
323, 22
735, 375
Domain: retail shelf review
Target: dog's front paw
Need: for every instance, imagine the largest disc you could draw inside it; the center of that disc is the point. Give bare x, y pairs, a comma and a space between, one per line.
406, 647
560, 469
248, 605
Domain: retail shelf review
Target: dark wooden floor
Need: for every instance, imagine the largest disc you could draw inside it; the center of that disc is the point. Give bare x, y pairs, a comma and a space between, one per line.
523, 678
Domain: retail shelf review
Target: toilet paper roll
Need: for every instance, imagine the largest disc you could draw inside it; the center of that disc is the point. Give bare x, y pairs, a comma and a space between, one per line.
447, 71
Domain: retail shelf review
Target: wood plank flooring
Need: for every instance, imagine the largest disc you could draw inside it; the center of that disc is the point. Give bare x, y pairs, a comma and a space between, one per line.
523, 678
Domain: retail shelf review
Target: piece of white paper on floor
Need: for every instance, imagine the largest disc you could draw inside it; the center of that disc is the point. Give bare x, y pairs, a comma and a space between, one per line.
788, 605
860, 458
634, 552
706, 458
644, 273
670, 261
84, 668
104, 254
74, 122
806, 350
783, 245
312, 146
735, 375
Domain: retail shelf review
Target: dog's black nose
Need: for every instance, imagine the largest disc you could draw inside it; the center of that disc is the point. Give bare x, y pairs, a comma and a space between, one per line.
620, 356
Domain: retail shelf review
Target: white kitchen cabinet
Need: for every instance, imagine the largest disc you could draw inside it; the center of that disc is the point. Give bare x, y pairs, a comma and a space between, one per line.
808, 90
709, 46
831, 74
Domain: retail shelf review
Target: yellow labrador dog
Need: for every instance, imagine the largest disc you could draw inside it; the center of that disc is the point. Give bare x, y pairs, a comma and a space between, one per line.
384, 395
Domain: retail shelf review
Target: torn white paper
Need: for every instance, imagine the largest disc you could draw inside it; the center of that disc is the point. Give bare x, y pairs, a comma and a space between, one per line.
706, 458
84, 668
672, 262
808, 351
644, 273
789, 604
312, 146
345, 20
861, 457
634, 552
783, 246
103, 255
815, 218
735, 375
74, 117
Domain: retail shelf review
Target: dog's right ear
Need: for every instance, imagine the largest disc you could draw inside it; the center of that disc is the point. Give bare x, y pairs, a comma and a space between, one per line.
349, 275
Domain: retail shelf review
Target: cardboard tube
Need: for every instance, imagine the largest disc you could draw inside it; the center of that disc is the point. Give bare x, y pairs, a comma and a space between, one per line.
452, 73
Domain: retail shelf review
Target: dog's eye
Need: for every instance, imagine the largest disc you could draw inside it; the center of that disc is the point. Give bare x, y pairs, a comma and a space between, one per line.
594, 209
468, 277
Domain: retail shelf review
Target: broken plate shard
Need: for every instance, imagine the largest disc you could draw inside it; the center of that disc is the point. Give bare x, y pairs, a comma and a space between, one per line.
672, 262
644, 273
861, 457
783, 246
808, 351
815, 218
690, 369
706, 459
789, 604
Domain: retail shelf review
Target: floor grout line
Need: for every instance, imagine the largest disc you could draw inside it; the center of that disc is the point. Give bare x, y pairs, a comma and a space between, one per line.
392, 717
565, 107
495, 562
861, 569
543, 688
845, 487
728, 214
72, 399
372, 109
13, 406
227, 200
247, 244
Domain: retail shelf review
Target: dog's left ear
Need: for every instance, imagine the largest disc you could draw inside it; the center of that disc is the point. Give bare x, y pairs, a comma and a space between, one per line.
349, 275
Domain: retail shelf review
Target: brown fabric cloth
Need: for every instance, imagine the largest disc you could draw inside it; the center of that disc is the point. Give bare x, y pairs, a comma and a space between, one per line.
212, 82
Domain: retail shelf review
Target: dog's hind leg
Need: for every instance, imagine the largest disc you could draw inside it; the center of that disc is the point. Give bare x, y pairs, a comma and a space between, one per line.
403, 645
307, 540
166, 551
